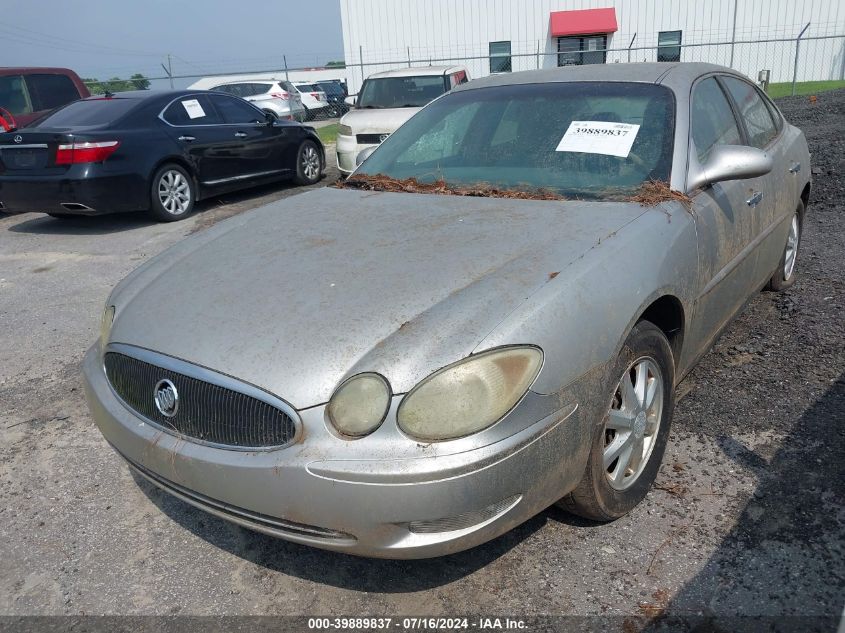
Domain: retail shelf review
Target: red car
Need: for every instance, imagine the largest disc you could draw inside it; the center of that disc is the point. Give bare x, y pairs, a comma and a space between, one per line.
28, 93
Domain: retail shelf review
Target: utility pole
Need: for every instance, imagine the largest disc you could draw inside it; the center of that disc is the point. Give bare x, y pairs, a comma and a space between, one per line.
169, 70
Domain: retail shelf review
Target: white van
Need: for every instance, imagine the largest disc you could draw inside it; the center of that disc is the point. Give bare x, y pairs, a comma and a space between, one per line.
386, 100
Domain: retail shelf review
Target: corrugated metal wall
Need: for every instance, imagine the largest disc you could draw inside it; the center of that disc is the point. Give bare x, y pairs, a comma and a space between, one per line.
389, 32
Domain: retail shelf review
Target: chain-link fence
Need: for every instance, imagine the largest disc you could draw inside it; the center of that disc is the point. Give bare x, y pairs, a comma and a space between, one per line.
787, 61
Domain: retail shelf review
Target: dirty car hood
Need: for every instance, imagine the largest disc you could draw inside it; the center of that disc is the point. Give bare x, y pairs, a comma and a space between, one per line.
297, 295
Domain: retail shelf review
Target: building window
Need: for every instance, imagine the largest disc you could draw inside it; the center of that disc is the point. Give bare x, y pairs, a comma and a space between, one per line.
500, 57
581, 49
669, 46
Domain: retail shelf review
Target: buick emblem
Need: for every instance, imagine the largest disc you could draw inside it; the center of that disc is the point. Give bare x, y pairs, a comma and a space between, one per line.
382, 138
18, 139
166, 398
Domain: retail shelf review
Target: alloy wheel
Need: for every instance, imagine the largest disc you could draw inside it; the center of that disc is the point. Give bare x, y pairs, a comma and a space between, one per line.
310, 161
633, 423
174, 192
791, 248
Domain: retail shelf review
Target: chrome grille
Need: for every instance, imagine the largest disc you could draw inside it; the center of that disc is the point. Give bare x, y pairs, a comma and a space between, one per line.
206, 411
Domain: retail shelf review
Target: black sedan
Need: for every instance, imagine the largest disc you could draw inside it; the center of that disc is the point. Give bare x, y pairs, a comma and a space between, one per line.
150, 151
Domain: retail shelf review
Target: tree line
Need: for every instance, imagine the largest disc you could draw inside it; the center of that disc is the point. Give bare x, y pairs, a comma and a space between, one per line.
115, 84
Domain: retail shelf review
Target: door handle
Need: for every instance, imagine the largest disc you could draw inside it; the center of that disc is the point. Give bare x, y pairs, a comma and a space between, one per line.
796, 167
241, 134
755, 199
187, 139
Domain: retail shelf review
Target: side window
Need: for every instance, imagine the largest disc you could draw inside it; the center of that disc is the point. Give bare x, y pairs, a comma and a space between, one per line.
236, 111
13, 95
758, 120
191, 110
712, 121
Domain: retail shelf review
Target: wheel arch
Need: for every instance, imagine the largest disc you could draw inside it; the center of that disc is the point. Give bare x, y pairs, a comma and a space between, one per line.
667, 313
184, 164
805, 196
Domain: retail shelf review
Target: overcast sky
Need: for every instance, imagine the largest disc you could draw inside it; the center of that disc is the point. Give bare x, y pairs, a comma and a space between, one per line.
117, 38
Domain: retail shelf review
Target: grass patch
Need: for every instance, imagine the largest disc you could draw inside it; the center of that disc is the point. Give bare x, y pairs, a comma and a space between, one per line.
803, 88
328, 133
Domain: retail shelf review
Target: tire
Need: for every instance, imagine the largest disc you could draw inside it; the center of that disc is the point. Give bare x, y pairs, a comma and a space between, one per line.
307, 171
309, 116
172, 193
784, 275
596, 497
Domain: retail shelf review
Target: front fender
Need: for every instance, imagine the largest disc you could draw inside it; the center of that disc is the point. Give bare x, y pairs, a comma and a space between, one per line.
583, 315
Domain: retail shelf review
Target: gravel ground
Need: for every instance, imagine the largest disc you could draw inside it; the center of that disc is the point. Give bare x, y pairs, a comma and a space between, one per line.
746, 518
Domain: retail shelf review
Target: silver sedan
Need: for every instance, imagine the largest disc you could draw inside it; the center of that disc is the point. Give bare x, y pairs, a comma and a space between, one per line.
489, 317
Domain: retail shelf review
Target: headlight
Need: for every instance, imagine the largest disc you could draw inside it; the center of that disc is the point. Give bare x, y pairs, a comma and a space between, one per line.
359, 405
344, 129
105, 326
470, 395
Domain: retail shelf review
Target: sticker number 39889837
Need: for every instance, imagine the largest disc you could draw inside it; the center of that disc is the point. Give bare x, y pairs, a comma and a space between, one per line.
599, 137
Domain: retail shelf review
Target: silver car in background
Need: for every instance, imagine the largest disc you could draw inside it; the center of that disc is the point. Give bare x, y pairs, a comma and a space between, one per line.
278, 98
488, 317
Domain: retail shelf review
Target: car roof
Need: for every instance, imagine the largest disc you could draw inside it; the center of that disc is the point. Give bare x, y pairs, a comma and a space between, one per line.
675, 75
244, 81
416, 71
24, 70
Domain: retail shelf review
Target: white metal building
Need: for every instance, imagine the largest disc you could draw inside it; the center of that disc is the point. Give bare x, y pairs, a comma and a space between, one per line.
502, 35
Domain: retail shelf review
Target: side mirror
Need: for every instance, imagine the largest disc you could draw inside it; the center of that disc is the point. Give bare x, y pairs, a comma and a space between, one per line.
364, 155
350, 101
730, 162
270, 118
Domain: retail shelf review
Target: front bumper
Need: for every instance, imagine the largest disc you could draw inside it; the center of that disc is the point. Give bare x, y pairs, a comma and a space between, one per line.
73, 193
322, 492
348, 149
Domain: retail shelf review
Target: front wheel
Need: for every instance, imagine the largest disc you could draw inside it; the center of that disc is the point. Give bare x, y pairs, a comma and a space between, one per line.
629, 443
172, 194
309, 165
784, 275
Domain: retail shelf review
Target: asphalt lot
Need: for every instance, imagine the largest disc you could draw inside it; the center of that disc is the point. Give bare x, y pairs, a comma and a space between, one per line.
747, 516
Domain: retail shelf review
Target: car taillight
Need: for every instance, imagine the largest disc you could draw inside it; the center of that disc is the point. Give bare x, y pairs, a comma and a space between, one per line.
280, 95
316, 95
87, 152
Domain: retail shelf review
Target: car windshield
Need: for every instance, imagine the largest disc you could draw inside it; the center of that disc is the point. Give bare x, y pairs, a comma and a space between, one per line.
400, 92
88, 113
575, 139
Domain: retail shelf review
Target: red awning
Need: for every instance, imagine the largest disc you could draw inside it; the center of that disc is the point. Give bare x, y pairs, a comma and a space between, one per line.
583, 22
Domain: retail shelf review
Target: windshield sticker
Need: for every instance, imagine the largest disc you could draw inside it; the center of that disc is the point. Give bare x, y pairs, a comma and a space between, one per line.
193, 108
599, 137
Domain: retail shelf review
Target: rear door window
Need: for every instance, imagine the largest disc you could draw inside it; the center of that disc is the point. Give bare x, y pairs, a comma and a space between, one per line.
191, 110
758, 120
14, 96
49, 91
236, 111
712, 119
